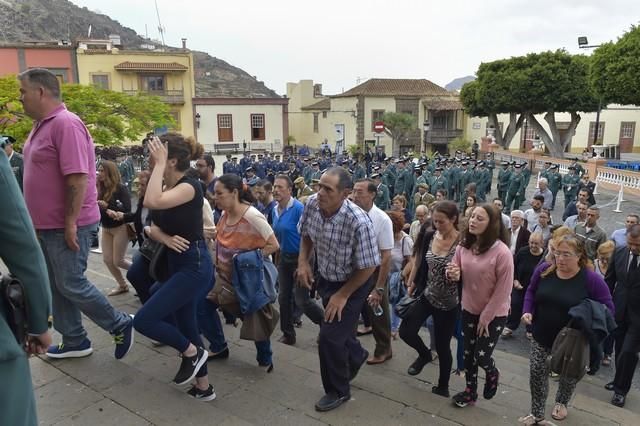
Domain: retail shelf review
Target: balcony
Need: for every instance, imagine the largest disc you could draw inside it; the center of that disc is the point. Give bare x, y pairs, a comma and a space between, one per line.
167, 96
445, 134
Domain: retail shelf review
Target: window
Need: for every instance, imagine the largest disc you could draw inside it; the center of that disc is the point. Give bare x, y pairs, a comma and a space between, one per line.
152, 83
101, 81
315, 122
530, 134
175, 114
225, 128
376, 115
627, 129
257, 127
592, 129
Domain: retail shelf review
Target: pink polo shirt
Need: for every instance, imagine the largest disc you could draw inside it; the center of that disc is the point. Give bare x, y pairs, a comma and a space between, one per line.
58, 146
487, 280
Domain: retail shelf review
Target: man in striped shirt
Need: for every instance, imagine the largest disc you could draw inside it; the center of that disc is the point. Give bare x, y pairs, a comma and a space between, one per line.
343, 237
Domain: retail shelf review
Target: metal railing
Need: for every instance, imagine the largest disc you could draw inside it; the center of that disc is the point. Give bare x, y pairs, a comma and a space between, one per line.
167, 96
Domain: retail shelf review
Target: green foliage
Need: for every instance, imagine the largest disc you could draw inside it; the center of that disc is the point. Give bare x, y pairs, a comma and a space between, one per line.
460, 143
398, 125
291, 139
353, 150
614, 71
112, 117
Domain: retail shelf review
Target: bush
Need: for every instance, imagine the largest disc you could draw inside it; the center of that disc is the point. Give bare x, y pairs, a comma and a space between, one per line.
459, 144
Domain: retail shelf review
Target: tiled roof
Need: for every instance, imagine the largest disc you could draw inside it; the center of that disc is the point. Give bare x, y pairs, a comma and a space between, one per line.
443, 104
150, 66
395, 87
323, 104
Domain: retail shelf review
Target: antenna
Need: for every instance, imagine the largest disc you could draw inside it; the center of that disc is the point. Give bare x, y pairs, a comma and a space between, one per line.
161, 29
89, 32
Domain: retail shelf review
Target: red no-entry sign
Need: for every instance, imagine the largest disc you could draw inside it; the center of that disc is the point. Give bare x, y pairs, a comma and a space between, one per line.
378, 126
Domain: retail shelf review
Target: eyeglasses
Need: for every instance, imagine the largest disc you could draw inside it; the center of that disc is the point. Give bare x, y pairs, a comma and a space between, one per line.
563, 254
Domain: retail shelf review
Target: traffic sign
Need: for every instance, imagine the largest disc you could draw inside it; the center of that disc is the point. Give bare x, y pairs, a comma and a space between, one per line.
378, 126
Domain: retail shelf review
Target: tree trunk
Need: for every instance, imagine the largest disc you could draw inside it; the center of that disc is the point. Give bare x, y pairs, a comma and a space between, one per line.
515, 123
552, 139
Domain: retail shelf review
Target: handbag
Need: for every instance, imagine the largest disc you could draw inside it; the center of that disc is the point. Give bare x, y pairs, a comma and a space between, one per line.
13, 298
406, 304
570, 353
156, 253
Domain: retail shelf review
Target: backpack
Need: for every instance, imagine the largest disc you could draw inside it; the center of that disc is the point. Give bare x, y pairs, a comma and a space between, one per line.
569, 354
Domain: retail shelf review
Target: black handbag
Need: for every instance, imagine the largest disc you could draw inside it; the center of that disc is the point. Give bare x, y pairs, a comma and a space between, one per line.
156, 253
406, 304
15, 305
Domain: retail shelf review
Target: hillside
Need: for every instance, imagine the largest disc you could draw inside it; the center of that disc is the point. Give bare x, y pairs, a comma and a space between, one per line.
457, 83
24, 20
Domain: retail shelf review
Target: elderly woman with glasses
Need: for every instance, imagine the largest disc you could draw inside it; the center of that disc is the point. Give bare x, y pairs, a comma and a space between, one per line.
554, 289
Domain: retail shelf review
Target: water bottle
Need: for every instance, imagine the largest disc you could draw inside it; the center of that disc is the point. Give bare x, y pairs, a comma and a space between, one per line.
377, 310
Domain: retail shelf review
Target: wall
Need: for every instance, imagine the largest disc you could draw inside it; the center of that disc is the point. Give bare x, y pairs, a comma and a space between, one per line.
388, 104
60, 60
89, 64
612, 118
207, 133
9, 61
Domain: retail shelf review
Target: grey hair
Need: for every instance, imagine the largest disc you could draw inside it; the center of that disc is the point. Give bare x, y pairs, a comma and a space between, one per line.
44, 78
546, 182
344, 178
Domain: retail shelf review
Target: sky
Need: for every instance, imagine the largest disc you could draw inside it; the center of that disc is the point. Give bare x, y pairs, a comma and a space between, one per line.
339, 43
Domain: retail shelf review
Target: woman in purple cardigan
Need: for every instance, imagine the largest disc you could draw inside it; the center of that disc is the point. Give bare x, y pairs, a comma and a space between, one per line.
554, 289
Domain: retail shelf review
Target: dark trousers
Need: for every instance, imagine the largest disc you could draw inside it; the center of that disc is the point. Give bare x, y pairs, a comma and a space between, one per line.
381, 325
293, 298
191, 271
138, 276
444, 324
515, 313
627, 348
209, 320
478, 350
553, 201
337, 343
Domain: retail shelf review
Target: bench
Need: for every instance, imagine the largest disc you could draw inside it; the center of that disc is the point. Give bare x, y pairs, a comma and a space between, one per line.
226, 147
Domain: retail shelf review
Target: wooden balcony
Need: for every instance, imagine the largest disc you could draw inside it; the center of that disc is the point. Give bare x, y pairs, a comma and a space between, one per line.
166, 96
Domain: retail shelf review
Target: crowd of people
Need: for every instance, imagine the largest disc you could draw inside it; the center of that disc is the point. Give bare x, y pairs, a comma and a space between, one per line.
349, 240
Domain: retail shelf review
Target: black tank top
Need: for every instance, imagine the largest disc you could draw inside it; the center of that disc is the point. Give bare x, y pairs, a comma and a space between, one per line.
186, 219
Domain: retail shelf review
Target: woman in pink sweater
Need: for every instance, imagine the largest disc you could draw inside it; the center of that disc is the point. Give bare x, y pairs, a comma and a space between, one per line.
484, 264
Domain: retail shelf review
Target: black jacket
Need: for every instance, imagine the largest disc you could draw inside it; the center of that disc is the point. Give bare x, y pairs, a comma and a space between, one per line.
625, 288
136, 218
594, 319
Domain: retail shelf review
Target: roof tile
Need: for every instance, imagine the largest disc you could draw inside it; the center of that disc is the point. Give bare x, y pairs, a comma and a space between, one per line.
151, 66
395, 87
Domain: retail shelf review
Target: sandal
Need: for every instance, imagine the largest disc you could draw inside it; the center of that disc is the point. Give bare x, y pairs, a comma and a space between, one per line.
118, 290
606, 360
559, 411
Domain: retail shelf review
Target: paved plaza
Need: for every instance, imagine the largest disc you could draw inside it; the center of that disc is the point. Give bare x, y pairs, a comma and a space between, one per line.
100, 391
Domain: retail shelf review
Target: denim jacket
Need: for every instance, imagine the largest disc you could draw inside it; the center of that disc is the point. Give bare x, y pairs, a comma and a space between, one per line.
254, 280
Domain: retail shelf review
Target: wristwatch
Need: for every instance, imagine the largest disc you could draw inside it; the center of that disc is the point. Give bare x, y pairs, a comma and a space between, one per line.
380, 290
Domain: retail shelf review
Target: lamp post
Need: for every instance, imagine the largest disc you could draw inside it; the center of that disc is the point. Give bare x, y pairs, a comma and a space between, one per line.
583, 43
425, 127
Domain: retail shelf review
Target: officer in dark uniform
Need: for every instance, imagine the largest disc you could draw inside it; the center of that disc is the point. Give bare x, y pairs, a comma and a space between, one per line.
16, 161
504, 176
226, 166
483, 181
555, 183
570, 183
439, 181
515, 190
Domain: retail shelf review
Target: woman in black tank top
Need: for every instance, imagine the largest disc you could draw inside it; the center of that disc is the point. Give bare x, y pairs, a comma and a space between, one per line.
177, 223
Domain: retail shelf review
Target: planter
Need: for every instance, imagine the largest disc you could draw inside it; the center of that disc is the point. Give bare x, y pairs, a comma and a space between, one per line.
599, 150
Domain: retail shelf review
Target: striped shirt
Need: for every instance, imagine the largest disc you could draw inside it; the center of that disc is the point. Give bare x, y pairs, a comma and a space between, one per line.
344, 242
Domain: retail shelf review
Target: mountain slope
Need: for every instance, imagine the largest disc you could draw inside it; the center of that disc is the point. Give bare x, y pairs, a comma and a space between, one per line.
457, 83
24, 20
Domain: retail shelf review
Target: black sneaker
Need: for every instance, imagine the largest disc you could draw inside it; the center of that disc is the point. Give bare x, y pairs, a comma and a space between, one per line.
491, 385
202, 395
464, 398
123, 339
189, 367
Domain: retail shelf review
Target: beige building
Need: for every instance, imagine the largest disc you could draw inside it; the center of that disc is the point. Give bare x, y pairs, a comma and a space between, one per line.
617, 127
236, 124
348, 118
168, 75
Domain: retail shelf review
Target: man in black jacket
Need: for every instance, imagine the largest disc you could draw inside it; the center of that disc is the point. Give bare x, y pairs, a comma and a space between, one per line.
623, 276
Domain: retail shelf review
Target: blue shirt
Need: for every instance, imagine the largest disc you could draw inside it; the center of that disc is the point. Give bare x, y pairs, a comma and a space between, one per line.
285, 226
619, 237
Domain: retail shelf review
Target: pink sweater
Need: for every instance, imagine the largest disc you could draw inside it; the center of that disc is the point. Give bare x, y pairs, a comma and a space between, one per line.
487, 280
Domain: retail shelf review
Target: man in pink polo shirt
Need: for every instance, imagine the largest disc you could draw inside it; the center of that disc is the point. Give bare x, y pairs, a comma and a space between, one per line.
60, 193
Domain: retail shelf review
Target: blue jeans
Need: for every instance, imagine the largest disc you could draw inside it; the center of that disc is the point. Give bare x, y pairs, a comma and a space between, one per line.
209, 321
265, 354
72, 293
190, 273
138, 276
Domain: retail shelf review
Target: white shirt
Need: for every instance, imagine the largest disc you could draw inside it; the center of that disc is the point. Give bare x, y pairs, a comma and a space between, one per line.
514, 239
506, 221
532, 218
383, 228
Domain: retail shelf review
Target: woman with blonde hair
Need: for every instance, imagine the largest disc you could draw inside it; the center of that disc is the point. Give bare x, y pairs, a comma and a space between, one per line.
601, 264
399, 204
113, 196
554, 289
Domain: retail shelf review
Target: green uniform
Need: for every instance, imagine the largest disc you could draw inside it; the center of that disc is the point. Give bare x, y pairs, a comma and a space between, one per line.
555, 183
451, 175
22, 255
425, 199
389, 178
307, 174
515, 190
526, 173
570, 184
464, 178
403, 184
504, 176
483, 183
491, 165
359, 173
439, 182
382, 200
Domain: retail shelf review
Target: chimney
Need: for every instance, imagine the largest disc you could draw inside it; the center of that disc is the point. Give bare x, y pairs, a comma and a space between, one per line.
184, 43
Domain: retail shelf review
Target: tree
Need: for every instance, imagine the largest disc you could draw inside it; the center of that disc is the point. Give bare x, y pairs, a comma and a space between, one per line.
398, 125
614, 72
111, 117
538, 83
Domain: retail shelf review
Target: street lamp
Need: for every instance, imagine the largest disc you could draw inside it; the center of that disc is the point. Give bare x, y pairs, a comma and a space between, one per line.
583, 43
425, 127
198, 120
